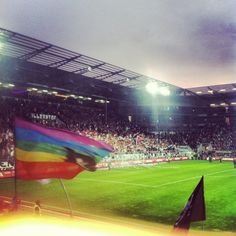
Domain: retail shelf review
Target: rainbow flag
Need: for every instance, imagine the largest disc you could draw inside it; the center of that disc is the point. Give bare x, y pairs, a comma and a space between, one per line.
43, 153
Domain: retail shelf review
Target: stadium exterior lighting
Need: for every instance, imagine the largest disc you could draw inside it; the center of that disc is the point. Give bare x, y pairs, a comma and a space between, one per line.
81, 97
199, 92
233, 103
222, 90
101, 101
234, 89
45, 91
87, 98
152, 88
31, 89
213, 105
165, 91
54, 92
223, 104
210, 91
89, 68
11, 85
61, 95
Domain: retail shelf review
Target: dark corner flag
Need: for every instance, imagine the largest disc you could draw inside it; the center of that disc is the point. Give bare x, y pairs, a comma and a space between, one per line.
194, 209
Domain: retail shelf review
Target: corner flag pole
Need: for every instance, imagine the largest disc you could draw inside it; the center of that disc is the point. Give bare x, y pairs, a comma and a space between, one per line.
67, 197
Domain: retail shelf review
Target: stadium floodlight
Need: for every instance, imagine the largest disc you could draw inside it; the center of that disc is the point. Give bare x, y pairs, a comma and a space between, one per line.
89, 68
152, 88
165, 91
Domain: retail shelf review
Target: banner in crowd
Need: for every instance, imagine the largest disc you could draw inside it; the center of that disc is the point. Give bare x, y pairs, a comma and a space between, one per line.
43, 116
137, 162
7, 174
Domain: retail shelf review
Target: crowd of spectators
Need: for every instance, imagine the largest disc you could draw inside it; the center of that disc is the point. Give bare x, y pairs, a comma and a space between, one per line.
125, 136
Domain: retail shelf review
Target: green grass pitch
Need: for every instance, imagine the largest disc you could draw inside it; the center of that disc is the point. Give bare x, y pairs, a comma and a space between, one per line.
156, 193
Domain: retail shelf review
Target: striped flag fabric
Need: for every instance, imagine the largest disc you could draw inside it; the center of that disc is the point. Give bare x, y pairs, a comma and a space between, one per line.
43, 153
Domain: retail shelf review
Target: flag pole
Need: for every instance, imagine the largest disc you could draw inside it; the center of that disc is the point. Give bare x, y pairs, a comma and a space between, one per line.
67, 197
14, 200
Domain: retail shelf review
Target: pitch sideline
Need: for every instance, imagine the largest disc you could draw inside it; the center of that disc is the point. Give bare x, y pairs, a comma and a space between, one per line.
154, 186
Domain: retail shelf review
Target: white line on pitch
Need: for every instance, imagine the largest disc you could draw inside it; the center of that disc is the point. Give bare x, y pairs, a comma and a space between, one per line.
222, 176
154, 186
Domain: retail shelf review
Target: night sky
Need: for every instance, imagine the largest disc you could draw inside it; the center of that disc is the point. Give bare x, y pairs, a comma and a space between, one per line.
188, 43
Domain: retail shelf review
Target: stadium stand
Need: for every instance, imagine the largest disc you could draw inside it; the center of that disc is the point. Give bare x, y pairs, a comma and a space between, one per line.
60, 88
130, 141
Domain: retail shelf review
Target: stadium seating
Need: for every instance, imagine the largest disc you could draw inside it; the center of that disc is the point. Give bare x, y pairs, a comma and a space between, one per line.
126, 137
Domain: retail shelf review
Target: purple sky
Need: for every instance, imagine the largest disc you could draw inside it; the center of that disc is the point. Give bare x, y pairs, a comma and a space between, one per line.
188, 43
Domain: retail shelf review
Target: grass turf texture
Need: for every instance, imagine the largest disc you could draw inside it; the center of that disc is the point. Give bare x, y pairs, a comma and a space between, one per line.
156, 193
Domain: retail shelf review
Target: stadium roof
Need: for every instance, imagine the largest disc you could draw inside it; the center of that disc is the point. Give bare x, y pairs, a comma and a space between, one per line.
214, 89
217, 95
25, 48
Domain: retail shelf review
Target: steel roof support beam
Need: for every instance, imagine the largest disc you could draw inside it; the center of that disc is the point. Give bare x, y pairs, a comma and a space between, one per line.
63, 62
82, 71
122, 81
109, 74
34, 53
